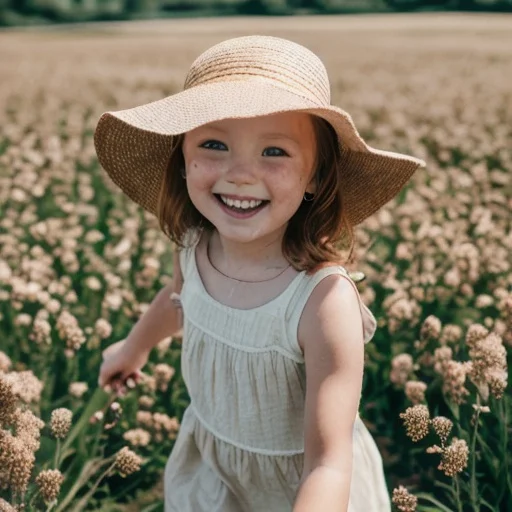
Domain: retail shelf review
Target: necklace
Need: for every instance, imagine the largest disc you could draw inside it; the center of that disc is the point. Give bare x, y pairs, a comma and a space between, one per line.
234, 278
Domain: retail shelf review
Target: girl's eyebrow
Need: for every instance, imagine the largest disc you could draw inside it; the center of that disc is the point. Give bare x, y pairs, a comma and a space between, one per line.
272, 135
214, 128
277, 135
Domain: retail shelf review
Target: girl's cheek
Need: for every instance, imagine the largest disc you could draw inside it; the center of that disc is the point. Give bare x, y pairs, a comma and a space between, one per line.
283, 177
203, 173
283, 169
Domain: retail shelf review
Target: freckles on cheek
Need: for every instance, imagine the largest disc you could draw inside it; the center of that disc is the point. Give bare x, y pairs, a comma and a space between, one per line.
192, 165
203, 175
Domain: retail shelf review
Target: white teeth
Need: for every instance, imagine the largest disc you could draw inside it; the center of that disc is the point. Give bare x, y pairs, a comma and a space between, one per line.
236, 203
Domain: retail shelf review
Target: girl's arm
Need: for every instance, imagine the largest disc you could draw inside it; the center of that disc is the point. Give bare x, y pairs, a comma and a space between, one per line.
162, 319
331, 334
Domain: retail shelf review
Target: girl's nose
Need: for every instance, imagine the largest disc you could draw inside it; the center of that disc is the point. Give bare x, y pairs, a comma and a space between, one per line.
241, 173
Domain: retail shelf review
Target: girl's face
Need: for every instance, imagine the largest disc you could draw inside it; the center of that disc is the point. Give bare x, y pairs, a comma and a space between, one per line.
248, 176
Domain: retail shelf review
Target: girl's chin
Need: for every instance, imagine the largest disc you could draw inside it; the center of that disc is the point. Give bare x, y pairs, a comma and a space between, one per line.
241, 235
248, 234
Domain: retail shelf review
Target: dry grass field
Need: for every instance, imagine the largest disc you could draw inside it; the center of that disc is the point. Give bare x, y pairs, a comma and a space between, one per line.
78, 263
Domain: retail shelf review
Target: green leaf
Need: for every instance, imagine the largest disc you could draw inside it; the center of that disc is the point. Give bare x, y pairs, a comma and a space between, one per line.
492, 508
438, 504
113, 507
97, 401
90, 467
151, 508
489, 457
449, 488
66, 454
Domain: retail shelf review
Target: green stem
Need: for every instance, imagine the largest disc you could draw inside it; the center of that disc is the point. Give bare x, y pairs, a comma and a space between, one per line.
60, 401
455, 410
474, 498
85, 500
34, 496
504, 431
88, 471
457, 493
56, 460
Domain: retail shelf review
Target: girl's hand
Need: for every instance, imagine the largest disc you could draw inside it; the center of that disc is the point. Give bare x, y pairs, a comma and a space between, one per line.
119, 364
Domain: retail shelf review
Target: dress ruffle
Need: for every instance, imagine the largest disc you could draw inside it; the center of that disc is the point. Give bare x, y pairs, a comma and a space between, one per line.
205, 473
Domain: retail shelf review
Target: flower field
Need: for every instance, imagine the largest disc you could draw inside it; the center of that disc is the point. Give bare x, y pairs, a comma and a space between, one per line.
79, 263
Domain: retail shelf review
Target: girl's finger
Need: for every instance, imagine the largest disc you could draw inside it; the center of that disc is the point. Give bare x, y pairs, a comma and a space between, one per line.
121, 391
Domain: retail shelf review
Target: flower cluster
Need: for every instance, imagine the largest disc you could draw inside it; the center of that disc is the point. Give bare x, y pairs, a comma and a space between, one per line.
417, 421
402, 366
403, 500
8, 401
454, 380
442, 427
415, 391
431, 328
454, 458
6, 507
163, 373
60, 422
49, 482
20, 434
70, 331
137, 437
26, 386
159, 424
17, 461
488, 369
78, 389
127, 462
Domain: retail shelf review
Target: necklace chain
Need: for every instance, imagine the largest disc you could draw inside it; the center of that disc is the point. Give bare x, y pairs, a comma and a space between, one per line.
234, 278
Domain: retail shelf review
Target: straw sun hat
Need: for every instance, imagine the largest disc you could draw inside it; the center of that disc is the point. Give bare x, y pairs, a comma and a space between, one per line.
239, 78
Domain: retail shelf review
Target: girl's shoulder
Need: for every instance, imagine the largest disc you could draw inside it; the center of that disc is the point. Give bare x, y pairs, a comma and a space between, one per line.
320, 287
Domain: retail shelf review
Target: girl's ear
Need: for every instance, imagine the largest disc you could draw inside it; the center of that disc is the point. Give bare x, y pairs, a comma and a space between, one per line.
312, 185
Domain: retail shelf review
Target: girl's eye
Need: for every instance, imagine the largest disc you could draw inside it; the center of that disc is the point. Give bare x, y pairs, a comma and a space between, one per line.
214, 144
274, 152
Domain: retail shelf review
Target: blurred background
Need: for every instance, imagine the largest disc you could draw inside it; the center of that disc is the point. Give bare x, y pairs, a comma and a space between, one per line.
22, 12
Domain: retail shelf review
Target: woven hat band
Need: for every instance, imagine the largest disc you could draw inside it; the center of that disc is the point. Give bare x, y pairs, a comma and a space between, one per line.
290, 66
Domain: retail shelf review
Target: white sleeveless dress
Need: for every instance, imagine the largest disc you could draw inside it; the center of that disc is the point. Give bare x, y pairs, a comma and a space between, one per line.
240, 447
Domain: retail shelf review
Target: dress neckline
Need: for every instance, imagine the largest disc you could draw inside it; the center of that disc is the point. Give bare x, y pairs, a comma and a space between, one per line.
217, 303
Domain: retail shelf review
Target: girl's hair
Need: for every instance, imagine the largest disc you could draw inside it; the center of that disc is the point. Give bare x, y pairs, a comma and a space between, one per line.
315, 233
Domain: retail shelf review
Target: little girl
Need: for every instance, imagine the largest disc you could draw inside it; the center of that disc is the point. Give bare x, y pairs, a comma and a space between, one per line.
256, 177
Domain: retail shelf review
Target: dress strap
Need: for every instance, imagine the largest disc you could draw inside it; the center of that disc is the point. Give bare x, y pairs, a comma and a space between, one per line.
301, 296
191, 239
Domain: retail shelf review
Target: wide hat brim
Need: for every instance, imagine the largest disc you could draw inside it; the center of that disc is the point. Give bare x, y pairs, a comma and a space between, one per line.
134, 145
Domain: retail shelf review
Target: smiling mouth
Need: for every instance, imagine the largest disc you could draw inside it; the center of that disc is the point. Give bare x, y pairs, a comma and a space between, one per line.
245, 206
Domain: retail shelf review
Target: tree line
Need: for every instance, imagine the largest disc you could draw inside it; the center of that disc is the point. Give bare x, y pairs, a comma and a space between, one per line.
14, 12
